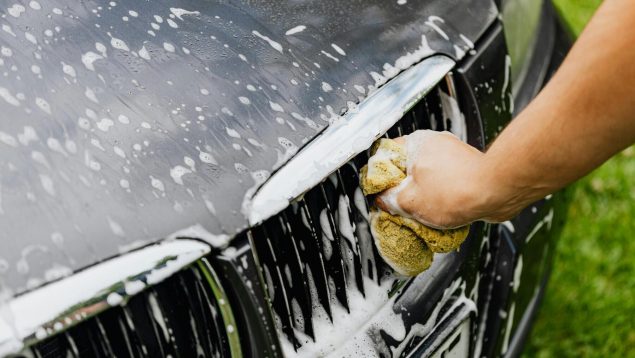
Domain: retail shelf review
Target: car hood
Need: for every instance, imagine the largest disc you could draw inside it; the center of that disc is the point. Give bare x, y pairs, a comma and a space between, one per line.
127, 123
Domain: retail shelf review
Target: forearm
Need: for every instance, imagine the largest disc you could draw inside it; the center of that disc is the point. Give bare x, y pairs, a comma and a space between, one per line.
581, 118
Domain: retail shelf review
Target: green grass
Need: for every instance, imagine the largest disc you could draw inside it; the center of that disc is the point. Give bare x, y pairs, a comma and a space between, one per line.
589, 307
577, 12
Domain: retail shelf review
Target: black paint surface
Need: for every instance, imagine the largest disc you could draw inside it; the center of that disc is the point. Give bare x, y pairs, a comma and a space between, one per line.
64, 201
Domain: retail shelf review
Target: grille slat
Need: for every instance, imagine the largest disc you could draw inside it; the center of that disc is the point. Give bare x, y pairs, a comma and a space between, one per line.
117, 333
432, 116
56, 347
190, 305
321, 209
312, 256
363, 258
348, 240
178, 317
291, 274
301, 299
275, 283
158, 322
393, 132
71, 345
170, 314
321, 278
100, 335
146, 327
208, 327
132, 335
408, 122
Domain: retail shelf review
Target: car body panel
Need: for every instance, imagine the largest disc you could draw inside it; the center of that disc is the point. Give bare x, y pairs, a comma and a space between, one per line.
268, 77
522, 19
123, 127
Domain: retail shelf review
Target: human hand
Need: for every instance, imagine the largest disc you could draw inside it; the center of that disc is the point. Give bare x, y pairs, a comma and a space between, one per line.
448, 184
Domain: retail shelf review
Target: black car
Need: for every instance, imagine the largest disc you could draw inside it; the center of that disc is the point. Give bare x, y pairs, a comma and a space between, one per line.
180, 178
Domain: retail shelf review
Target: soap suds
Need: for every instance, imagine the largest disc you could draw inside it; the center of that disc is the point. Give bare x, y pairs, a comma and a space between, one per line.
295, 30
272, 43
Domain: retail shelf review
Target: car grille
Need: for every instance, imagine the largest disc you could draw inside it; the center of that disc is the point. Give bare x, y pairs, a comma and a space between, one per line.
319, 251
179, 317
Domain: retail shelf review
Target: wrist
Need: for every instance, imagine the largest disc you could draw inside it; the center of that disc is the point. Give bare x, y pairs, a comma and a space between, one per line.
495, 195
478, 193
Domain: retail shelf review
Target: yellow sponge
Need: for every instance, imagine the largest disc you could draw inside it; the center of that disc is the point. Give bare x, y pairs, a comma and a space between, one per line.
386, 167
400, 247
437, 240
404, 243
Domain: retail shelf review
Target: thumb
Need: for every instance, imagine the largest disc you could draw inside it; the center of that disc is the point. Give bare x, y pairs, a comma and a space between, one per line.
388, 199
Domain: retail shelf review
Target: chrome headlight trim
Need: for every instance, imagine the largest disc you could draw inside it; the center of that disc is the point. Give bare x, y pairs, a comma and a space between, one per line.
349, 136
36, 315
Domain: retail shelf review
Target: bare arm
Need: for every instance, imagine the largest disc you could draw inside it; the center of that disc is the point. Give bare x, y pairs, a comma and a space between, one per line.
582, 117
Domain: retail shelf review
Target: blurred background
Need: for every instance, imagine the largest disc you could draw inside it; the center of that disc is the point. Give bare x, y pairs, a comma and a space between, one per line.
589, 306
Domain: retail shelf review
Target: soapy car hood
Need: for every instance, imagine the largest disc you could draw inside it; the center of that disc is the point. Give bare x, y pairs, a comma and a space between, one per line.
125, 122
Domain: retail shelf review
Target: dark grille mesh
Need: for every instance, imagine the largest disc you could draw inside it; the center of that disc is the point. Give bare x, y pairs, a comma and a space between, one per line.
179, 317
321, 247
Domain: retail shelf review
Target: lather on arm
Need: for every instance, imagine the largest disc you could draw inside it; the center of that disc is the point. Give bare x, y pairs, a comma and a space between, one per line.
584, 115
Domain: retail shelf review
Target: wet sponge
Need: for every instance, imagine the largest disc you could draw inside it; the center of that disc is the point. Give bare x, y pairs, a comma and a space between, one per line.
386, 167
400, 247
404, 243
